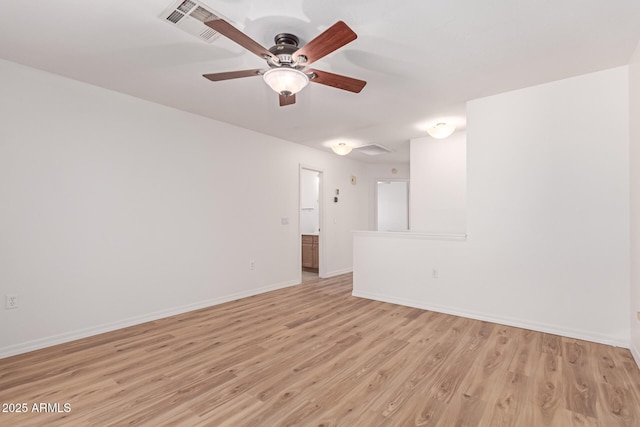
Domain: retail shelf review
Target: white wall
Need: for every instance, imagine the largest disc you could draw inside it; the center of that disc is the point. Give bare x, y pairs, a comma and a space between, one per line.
116, 210
438, 182
634, 122
547, 217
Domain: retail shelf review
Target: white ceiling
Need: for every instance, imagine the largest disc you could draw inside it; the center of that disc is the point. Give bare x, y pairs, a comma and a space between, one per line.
422, 59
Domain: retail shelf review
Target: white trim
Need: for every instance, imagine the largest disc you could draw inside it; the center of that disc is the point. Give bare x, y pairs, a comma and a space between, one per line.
337, 272
636, 354
410, 235
518, 323
25, 347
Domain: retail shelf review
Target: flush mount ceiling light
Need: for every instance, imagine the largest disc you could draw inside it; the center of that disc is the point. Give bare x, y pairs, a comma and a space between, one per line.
341, 149
286, 81
441, 130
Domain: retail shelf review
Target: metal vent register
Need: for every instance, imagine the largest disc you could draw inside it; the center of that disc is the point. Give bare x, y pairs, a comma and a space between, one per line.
372, 149
190, 16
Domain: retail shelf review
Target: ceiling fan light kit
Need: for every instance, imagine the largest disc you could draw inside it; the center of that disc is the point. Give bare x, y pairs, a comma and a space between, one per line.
441, 130
286, 81
287, 73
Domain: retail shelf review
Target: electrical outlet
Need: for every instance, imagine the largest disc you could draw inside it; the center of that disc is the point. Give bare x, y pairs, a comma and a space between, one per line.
252, 264
434, 273
11, 301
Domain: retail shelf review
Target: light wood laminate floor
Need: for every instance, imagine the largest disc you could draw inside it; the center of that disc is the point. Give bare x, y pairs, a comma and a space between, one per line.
313, 355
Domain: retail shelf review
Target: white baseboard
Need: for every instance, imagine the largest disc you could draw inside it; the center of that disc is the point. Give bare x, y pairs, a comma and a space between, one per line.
38, 344
338, 272
636, 354
518, 323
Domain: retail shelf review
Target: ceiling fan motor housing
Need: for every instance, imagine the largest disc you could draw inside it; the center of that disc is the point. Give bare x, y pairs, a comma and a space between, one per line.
286, 45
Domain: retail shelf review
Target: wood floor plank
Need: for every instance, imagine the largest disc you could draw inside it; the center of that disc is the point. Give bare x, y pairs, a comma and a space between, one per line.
549, 388
506, 406
313, 355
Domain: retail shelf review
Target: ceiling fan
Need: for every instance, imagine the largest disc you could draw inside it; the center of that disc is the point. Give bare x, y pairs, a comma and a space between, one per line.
288, 73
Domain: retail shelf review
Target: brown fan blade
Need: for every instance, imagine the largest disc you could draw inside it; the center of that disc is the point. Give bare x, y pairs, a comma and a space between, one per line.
234, 34
336, 80
216, 77
334, 37
287, 100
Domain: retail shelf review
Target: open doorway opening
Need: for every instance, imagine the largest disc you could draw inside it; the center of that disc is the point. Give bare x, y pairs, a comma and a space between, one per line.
310, 220
392, 205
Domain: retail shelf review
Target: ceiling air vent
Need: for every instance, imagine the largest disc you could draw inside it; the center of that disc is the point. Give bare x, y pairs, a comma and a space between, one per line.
372, 149
190, 16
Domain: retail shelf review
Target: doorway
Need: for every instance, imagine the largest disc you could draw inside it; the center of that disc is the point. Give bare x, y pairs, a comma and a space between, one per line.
310, 220
392, 205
